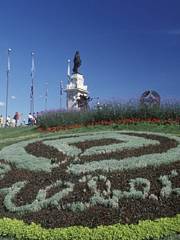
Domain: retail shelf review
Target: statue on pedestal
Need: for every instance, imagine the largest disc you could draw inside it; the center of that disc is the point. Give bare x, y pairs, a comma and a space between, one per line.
77, 93
77, 62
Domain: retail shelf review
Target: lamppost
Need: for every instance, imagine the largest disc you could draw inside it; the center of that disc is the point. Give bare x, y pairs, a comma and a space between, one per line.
7, 85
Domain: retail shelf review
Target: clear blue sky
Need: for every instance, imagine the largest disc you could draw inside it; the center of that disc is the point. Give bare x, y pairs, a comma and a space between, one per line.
126, 47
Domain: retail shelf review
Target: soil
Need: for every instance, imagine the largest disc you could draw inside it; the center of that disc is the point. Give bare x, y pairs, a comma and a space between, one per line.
129, 211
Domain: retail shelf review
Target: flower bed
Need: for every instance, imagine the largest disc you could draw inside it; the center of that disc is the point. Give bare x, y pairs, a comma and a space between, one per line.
91, 179
128, 121
130, 113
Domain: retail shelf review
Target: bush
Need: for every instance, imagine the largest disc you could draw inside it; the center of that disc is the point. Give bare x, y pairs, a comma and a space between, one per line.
147, 229
112, 113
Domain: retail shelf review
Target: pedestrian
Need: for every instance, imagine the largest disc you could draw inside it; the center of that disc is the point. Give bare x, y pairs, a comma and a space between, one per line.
8, 120
13, 123
1, 121
16, 118
30, 119
34, 118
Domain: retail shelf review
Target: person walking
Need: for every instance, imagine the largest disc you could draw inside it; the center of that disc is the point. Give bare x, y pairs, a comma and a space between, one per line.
1, 121
16, 118
8, 121
30, 119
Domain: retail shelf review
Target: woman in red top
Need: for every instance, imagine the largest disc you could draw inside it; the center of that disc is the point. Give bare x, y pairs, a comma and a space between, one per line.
16, 118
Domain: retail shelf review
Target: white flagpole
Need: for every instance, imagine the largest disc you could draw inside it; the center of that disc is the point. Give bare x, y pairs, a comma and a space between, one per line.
32, 84
61, 93
7, 84
46, 96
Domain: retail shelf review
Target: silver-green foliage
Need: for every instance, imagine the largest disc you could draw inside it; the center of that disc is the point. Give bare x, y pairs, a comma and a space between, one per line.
17, 154
133, 192
77, 206
167, 189
110, 165
41, 201
4, 168
108, 197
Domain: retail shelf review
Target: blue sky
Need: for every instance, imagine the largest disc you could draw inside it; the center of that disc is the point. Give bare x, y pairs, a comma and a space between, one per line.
126, 47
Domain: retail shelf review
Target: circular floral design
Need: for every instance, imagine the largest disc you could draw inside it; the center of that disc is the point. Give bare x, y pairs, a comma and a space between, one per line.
89, 175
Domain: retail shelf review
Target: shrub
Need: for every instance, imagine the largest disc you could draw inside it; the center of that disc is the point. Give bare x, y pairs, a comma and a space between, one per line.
147, 229
112, 112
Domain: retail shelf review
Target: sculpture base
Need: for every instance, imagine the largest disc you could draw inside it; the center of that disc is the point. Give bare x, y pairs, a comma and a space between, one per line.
75, 89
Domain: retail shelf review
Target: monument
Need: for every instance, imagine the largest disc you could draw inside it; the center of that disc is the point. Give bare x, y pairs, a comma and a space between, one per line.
77, 93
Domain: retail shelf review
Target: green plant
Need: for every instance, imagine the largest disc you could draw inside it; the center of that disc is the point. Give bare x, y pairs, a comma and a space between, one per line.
112, 112
164, 227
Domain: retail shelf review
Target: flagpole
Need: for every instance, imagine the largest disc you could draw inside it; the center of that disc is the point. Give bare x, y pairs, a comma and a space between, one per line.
32, 84
46, 95
69, 70
61, 93
7, 85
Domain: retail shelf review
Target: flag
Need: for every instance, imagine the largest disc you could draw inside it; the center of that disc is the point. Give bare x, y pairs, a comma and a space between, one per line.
69, 69
9, 65
32, 92
32, 65
46, 93
61, 87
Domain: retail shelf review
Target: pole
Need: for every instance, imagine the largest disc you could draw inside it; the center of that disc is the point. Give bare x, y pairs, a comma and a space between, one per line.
7, 85
68, 80
46, 96
69, 70
32, 84
60, 102
61, 93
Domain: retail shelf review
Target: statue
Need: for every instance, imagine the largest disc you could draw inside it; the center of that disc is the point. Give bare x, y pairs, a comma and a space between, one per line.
77, 62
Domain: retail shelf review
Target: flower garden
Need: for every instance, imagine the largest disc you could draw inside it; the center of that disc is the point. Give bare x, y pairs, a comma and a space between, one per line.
105, 183
111, 173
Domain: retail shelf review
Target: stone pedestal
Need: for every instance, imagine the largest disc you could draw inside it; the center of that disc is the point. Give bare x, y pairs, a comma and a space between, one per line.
74, 89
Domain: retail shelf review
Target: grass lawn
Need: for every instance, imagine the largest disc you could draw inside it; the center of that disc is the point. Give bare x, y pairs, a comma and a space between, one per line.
12, 135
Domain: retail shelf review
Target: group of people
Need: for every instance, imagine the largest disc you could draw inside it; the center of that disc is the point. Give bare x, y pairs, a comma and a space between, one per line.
9, 122
15, 120
32, 119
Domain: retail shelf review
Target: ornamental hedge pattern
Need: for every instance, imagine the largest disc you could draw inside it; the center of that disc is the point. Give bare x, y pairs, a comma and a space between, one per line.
91, 179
